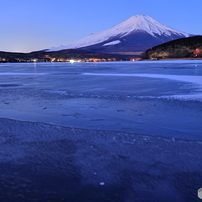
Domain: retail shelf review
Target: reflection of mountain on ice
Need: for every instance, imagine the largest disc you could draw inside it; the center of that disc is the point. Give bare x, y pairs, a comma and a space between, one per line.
138, 32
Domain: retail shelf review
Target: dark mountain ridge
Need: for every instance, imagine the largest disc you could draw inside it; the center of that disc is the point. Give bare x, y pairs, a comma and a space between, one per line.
190, 47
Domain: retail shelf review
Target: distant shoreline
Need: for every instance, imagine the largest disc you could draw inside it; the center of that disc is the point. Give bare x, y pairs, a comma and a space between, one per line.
171, 59
161, 59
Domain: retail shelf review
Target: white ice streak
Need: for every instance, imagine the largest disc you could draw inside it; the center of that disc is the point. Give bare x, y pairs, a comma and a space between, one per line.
136, 23
182, 78
21, 73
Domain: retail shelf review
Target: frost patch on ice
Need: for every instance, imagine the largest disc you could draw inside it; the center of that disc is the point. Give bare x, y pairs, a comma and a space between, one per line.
56, 92
192, 97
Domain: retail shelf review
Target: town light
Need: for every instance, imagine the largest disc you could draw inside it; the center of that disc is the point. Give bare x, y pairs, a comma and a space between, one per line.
71, 61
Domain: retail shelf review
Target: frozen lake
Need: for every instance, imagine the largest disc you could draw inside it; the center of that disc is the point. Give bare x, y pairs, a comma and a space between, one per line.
121, 131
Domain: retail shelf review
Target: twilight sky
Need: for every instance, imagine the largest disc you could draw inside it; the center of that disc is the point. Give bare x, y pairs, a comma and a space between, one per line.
39, 24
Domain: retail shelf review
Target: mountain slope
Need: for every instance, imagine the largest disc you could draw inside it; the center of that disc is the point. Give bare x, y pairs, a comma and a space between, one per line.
138, 33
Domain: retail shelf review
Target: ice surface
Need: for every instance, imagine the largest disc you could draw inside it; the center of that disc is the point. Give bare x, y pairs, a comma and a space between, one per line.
43, 162
118, 103
63, 132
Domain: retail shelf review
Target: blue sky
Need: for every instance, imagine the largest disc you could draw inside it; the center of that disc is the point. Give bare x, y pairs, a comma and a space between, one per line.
39, 24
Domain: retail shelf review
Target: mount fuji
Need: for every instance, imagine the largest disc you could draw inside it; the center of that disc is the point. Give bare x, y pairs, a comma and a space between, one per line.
138, 33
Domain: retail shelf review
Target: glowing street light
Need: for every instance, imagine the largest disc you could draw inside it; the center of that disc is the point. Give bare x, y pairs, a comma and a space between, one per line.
72, 61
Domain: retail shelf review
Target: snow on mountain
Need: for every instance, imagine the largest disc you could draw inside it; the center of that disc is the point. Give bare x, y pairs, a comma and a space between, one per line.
112, 43
136, 24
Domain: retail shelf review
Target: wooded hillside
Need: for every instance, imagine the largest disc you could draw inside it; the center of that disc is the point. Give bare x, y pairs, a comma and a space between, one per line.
190, 47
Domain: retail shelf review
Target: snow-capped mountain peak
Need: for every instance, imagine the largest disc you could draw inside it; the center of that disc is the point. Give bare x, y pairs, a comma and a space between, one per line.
136, 24
147, 24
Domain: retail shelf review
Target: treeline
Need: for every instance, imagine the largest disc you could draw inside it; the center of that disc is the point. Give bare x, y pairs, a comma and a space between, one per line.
190, 47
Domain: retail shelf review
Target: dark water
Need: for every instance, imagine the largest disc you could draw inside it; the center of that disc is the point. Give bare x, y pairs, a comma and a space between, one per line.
66, 135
